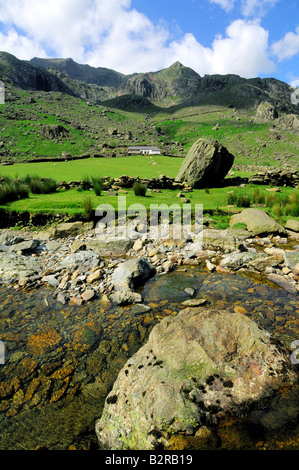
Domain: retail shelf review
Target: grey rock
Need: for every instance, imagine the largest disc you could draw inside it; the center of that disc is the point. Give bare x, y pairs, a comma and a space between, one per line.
281, 281
223, 239
238, 260
131, 274
257, 222
206, 164
292, 224
85, 260
53, 245
291, 258
9, 239
195, 369
108, 248
25, 246
51, 280
125, 297
13, 265
71, 229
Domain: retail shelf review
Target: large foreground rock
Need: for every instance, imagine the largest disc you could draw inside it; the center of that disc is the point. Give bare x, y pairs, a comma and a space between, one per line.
206, 164
257, 222
196, 369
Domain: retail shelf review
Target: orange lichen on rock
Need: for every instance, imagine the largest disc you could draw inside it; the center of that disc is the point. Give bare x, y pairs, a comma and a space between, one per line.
43, 341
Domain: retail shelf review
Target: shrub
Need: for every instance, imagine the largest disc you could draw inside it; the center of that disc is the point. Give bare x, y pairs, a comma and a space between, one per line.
239, 200
87, 207
97, 185
258, 197
39, 185
139, 189
11, 190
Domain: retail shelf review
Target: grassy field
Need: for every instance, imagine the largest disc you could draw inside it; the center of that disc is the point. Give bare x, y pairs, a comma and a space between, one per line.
215, 201
137, 165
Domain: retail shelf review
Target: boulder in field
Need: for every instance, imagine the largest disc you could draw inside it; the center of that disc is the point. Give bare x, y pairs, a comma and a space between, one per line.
257, 222
206, 164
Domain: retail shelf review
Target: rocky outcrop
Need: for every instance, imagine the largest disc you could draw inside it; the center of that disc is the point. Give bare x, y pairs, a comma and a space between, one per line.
257, 222
53, 131
206, 164
195, 370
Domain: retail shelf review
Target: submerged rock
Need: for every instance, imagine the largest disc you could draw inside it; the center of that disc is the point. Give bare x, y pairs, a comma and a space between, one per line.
196, 369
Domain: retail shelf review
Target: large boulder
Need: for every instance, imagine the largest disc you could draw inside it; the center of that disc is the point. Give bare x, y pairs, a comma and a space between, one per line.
257, 222
197, 370
206, 164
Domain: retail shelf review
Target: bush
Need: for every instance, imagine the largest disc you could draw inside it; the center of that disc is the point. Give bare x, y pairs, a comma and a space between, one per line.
39, 185
87, 208
97, 185
239, 200
258, 197
12, 190
139, 189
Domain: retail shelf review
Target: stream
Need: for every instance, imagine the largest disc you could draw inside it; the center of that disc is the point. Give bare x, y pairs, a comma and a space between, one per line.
61, 361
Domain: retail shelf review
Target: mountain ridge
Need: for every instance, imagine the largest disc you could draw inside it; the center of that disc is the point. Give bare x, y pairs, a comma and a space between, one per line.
172, 86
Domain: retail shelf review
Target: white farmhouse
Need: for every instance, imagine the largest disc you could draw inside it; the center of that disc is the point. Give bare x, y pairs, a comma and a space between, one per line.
144, 150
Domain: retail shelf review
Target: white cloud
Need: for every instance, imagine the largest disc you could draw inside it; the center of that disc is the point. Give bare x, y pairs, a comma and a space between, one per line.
249, 8
110, 33
227, 5
20, 46
288, 46
244, 51
256, 8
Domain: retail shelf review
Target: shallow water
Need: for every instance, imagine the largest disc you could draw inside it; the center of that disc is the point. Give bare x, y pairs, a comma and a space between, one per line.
61, 361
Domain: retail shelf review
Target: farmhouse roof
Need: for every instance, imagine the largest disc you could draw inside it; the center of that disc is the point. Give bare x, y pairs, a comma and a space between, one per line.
143, 147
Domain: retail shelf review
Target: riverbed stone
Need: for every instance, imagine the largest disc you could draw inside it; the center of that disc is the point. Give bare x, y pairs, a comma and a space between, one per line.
223, 239
85, 260
195, 370
283, 282
71, 229
237, 260
291, 258
25, 246
131, 274
13, 265
107, 248
125, 297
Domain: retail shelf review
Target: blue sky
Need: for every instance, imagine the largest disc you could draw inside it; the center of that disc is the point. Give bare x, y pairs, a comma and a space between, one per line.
246, 37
